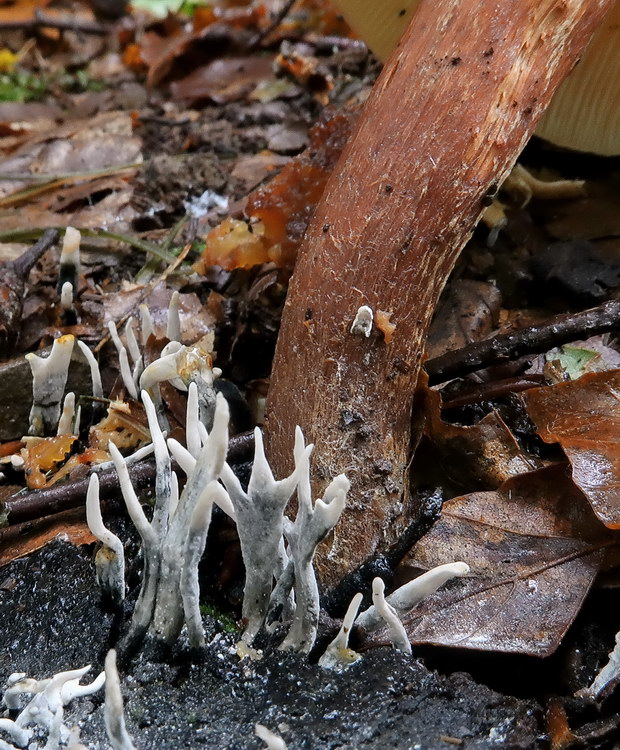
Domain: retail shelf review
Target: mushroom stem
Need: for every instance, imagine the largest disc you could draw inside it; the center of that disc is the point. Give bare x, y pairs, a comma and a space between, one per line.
449, 115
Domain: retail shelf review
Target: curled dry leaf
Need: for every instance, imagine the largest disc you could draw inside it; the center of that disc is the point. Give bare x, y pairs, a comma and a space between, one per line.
534, 548
584, 417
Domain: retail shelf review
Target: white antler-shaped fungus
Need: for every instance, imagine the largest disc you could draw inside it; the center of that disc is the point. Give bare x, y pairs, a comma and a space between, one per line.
168, 615
196, 541
260, 517
310, 528
48, 385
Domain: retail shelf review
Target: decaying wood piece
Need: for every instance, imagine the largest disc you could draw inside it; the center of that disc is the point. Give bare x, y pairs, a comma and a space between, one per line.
448, 116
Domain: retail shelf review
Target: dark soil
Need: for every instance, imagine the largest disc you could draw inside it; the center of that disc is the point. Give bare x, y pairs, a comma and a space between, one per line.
51, 621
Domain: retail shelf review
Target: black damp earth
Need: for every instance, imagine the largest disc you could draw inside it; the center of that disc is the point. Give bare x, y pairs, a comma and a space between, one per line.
51, 620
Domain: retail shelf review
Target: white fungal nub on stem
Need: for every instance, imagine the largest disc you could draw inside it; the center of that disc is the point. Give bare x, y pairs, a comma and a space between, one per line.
113, 712
95, 374
49, 377
362, 324
66, 296
173, 330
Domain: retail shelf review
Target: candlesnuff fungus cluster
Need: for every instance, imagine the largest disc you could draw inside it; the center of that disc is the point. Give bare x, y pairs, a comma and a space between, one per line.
280, 581
43, 714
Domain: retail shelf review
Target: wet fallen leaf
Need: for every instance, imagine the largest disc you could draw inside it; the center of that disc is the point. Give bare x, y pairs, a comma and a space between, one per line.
584, 417
42, 454
225, 80
15, 541
534, 548
597, 215
485, 454
468, 311
282, 207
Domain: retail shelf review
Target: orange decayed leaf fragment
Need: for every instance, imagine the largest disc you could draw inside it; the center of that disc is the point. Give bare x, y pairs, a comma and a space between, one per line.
280, 211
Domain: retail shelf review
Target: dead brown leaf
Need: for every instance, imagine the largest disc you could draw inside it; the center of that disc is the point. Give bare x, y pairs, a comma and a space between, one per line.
70, 524
225, 80
485, 454
534, 548
584, 417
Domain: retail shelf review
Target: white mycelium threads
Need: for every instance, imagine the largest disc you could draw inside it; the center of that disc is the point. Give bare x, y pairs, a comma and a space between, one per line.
48, 386
113, 711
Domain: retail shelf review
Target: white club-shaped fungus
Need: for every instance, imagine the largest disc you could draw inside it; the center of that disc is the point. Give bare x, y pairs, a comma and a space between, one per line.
412, 593
113, 712
398, 636
338, 655
271, 740
110, 559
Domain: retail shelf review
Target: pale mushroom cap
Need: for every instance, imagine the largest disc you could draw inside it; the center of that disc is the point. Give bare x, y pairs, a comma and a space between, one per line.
584, 114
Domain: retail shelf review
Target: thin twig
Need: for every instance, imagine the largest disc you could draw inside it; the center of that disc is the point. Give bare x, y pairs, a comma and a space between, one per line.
31, 504
57, 181
536, 339
26, 260
280, 16
66, 23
